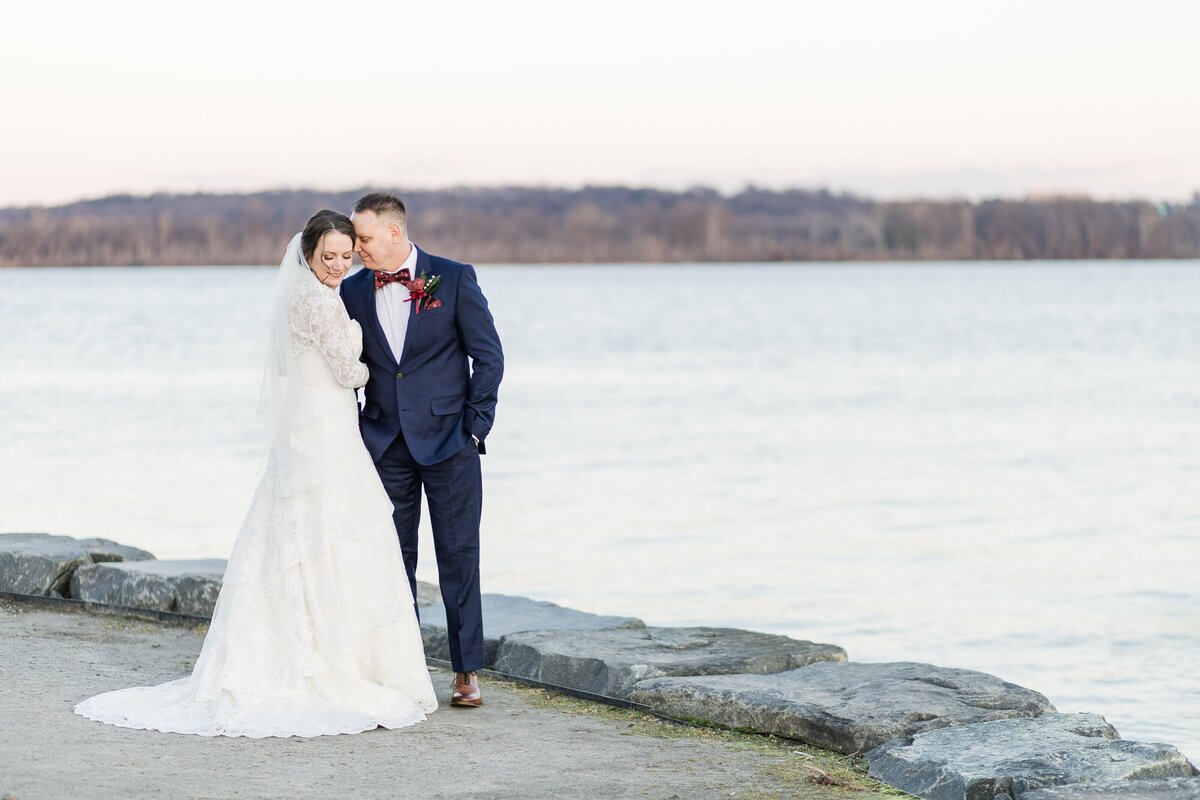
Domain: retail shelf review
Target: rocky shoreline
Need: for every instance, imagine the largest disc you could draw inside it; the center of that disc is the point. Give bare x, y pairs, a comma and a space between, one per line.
935, 732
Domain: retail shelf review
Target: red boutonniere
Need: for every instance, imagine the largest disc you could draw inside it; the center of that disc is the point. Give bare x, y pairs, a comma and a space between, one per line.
421, 291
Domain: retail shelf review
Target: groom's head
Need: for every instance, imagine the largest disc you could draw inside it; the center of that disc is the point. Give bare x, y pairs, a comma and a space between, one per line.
380, 231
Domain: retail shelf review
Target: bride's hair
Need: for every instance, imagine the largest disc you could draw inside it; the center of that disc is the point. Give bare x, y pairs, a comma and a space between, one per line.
323, 222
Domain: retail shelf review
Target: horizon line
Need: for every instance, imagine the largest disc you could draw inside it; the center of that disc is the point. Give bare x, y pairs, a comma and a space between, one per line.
1033, 196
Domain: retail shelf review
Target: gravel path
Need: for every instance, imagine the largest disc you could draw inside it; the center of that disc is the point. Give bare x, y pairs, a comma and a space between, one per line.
522, 744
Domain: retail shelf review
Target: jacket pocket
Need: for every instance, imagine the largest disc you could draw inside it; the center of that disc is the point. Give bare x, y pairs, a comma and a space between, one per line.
371, 411
442, 406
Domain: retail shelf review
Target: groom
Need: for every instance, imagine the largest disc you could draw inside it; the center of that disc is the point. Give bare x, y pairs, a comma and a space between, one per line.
427, 413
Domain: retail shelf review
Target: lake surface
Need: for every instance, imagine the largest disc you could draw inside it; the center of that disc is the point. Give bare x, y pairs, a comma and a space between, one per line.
992, 466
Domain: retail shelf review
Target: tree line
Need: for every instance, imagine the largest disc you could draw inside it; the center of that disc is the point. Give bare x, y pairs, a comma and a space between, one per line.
607, 224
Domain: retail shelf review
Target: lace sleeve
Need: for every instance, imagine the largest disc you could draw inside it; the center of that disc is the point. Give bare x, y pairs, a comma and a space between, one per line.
322, 318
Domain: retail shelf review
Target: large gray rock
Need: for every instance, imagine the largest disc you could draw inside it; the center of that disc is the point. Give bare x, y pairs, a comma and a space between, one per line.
1016, 756
182, 586
106, 551
845, 707
609, 662
505, 614
42, 564
1157, 789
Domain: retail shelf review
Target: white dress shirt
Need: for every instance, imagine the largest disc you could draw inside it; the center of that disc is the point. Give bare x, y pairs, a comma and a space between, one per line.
392, 309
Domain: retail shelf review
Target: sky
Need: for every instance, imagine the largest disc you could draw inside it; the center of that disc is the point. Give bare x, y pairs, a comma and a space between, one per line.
887, 98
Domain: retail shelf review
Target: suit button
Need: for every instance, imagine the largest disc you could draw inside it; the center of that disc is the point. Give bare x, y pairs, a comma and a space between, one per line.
399, 375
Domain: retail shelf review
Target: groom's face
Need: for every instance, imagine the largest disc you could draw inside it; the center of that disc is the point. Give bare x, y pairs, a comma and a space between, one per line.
379, 242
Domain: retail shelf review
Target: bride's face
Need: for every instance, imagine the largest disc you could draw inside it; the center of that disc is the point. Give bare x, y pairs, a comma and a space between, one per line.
332, 257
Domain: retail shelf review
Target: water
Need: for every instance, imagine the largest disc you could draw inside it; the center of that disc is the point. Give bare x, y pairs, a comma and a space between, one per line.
977, 465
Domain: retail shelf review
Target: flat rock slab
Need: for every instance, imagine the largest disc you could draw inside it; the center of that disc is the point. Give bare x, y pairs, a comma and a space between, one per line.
1016, 756
188, 586
610, 662
840, 706
505, 614
1156, 789
42, 564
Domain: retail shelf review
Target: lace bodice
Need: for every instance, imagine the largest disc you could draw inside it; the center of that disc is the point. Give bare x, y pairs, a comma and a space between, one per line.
318, 323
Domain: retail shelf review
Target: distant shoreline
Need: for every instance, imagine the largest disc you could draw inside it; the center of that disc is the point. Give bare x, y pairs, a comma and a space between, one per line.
865, 262
610, 225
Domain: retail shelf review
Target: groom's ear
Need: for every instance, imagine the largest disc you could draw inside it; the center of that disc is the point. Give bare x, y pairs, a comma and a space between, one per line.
397, 232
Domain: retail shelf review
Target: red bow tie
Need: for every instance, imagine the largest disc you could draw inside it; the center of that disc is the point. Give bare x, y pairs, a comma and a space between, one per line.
384, 278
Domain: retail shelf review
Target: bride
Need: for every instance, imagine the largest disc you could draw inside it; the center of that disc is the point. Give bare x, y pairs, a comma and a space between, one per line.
314, 631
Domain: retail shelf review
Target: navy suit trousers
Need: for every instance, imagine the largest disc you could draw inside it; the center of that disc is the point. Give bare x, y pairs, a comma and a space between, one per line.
454, 489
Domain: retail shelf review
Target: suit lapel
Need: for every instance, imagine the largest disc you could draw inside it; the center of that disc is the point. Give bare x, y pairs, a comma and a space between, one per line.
371, 313
414, 319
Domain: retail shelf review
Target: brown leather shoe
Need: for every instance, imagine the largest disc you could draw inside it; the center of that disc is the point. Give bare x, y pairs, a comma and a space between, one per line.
466, 690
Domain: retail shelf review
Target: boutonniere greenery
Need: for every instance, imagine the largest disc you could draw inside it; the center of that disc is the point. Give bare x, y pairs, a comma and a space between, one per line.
421, 291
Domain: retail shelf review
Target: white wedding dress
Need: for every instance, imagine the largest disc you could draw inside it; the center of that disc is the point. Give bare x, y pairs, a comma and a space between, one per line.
314, 630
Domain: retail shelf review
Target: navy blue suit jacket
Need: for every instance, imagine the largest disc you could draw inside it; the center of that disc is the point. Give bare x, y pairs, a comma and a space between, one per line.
442, 389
